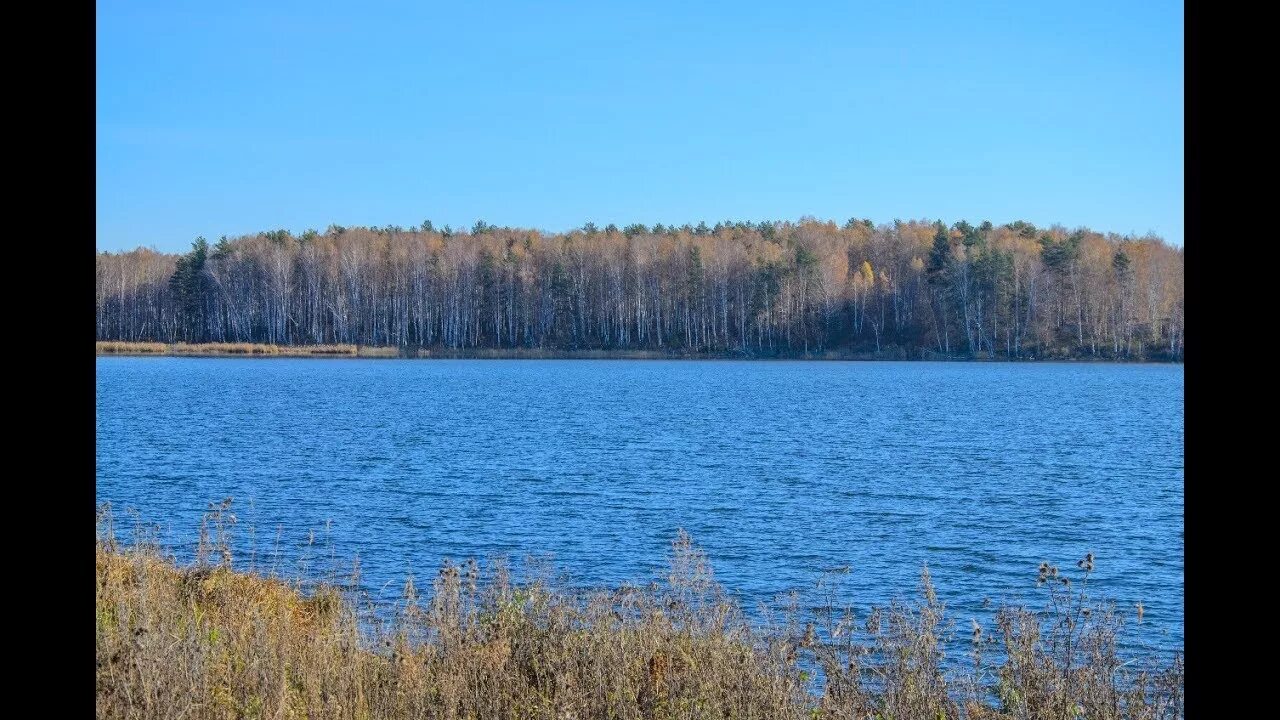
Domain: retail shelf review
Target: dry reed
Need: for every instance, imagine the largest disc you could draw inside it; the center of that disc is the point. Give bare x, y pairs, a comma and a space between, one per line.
210, 641
225, 349
113, 347
244, 349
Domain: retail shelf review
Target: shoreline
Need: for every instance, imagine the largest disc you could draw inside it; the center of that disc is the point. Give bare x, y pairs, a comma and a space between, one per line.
346, 352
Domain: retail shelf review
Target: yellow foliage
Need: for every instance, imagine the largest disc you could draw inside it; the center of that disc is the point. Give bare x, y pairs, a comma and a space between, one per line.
868, 276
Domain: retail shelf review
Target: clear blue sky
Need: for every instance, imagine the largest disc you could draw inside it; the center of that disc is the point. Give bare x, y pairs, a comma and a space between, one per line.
229, 118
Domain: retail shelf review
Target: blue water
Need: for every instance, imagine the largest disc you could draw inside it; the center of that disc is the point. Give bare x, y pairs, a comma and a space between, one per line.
778, 469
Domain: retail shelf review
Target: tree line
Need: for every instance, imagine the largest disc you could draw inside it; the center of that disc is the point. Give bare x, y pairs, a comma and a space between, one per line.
909, 289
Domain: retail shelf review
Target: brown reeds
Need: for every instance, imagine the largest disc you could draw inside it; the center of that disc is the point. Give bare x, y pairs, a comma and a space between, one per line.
225, 349
210, 641
117, 347
244, 349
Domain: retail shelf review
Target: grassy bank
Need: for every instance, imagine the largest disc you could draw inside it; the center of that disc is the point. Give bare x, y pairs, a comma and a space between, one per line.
211, 640
365, 351
242, 349
115, 347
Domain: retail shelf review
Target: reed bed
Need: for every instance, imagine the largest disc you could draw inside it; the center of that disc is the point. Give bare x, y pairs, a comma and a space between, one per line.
224, 349
312, 350
535, 353
244, 349
209, 640
112, 347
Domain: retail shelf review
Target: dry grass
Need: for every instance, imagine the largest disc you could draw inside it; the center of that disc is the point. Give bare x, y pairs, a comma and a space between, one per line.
536, 353
113, 347
208, 641
316, 350
225, 349
515, 353
244, 349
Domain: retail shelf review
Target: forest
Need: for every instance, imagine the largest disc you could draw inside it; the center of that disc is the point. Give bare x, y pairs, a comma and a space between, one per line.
914, 289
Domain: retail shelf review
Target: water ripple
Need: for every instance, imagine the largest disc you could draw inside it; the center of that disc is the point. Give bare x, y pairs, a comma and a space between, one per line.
779, 469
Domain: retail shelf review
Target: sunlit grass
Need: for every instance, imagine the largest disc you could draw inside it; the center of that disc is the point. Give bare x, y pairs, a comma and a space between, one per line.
248, 349
213, 640
111, 347
224, 349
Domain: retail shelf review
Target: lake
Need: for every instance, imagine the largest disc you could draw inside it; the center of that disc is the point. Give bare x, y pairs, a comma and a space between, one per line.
780, 470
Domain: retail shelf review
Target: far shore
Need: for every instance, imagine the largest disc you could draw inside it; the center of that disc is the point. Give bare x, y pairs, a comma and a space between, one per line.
263, 350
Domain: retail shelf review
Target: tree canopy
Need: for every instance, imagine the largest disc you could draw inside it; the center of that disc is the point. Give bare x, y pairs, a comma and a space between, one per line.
907, 289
